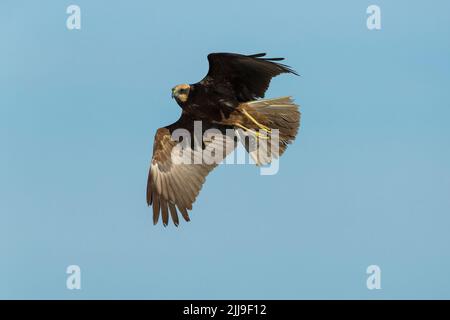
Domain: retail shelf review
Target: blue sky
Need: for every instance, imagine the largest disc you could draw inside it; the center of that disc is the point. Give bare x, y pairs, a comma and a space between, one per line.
366, 182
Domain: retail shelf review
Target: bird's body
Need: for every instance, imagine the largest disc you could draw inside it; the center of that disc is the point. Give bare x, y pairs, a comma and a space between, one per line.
228, 97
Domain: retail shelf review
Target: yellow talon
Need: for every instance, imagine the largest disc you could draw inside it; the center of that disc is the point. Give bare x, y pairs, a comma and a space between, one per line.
256, 133
263, 127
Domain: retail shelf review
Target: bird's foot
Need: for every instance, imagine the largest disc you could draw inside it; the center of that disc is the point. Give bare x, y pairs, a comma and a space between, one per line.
255, 133
261, 126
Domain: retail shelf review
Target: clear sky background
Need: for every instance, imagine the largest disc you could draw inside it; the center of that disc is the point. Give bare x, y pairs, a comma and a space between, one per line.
366, 182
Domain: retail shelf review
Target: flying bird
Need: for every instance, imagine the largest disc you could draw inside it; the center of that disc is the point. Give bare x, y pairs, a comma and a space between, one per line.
229, 98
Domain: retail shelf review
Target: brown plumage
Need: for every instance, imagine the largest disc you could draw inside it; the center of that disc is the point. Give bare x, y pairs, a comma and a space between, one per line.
228, 98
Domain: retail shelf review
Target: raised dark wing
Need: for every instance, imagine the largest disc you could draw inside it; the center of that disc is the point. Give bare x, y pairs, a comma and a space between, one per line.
178, 170
249, 76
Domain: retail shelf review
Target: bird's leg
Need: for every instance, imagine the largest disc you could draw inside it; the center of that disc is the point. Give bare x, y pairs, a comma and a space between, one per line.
263, 127
257, 134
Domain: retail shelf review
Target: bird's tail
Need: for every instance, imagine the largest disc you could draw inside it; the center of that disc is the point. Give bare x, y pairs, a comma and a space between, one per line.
267, 126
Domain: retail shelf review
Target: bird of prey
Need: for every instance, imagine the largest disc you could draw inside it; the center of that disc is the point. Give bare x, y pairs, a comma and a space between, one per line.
228, 98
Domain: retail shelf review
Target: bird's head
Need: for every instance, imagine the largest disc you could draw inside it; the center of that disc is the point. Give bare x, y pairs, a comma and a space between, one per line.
181, 92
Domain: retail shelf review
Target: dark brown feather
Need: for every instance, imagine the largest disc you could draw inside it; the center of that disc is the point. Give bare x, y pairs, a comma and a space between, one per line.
155, 208
248, 76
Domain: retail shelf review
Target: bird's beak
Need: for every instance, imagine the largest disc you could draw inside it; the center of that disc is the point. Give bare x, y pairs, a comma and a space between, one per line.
173, 94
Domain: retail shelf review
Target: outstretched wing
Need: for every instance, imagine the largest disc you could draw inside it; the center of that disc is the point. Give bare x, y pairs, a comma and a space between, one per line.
249, 76
179, 166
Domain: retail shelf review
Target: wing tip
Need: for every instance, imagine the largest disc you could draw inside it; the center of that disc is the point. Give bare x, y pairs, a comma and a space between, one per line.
257, 55
288, 69
284, 67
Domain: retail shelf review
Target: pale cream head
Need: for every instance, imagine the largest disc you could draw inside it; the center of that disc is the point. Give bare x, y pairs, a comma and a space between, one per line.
181, 92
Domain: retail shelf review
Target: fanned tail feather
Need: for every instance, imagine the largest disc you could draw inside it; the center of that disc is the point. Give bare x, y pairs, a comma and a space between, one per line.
281, 114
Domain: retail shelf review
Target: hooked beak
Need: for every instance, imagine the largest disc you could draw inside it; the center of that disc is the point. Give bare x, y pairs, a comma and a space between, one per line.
173, 93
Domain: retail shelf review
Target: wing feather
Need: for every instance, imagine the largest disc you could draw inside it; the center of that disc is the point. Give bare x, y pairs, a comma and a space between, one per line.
173, 213
248, 75
164, 212
155, 208
173, 186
